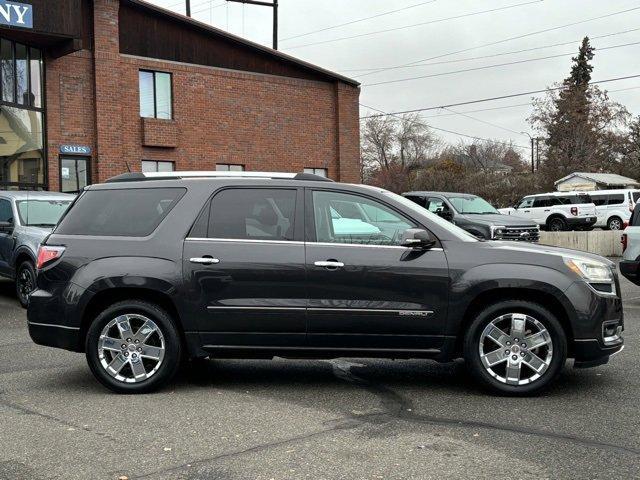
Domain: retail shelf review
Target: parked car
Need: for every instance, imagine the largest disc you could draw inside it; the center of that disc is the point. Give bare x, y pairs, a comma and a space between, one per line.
630, 263
26, 218
557, 211
614, 207
477, 216
149, 269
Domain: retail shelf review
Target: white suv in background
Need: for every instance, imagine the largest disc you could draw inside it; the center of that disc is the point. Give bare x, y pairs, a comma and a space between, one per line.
557, 211
614, 207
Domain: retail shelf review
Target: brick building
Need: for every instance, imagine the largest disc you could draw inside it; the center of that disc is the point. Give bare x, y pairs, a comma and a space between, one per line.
93, 88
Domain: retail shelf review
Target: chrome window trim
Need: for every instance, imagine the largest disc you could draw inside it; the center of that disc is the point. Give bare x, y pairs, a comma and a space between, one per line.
294, 242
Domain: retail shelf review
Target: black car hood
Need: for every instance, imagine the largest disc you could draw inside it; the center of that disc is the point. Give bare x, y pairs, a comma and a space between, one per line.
500, 220
532, 248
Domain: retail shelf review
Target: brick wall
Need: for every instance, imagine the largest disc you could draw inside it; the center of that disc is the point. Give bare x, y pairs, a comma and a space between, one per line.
264, 122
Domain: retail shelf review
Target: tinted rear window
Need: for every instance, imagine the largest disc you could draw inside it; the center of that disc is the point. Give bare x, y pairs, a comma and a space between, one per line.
128, 213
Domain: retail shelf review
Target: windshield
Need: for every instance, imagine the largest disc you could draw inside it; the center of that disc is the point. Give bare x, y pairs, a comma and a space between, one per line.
471, 205
459, 233
41, 213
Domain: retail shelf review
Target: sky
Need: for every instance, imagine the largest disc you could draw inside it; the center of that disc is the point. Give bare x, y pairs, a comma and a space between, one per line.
482, 28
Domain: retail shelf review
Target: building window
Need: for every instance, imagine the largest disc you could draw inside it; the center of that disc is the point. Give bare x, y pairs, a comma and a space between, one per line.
226, 167
150, 166
74, 174
155, 95
22, 155
322, 172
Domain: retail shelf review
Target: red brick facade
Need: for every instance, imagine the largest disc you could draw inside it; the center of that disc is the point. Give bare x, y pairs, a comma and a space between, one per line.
265, 122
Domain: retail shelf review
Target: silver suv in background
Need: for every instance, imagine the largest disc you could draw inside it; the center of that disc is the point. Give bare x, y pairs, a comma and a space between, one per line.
557, 211
26, 218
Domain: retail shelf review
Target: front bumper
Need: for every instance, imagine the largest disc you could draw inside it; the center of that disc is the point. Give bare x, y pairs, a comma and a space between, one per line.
597, 327
630, 269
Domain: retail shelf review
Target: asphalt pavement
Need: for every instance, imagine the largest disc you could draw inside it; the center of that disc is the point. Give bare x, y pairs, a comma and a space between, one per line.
283, 419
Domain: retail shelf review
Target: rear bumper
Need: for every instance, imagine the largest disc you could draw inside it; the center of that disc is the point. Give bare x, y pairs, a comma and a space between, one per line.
47, 323
630, 269
581, 221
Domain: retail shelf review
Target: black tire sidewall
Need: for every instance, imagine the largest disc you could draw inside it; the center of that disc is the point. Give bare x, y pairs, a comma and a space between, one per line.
29, 266
561, 222
550, 322
173, 348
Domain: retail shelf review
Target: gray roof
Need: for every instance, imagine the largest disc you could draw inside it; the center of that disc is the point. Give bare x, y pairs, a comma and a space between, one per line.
602, 178
35, 195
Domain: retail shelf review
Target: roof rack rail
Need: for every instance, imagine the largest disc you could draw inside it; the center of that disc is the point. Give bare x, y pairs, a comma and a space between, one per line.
139, 177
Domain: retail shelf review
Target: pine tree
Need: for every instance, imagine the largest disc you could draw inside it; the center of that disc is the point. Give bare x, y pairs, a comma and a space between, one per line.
577, 122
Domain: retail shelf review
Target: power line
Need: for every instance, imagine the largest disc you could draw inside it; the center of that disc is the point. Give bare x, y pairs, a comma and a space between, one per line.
430, 22
485, 67
416, 122
482, 121
504, 40
467, 59
358, 20
490, 99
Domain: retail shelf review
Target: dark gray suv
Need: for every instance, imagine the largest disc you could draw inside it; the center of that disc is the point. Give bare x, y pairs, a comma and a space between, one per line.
150, 269
26, 218
477, 216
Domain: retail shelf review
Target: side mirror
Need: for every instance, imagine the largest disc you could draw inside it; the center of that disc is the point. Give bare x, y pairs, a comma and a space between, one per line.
418, 239
6, 227
446, 214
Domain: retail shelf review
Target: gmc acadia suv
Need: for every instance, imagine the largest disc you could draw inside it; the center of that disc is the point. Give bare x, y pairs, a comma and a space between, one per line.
151, 269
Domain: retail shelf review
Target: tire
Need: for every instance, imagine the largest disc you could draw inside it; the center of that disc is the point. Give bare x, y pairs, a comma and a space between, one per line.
496, 378
614, 223
556, 224
149, 360
25, 282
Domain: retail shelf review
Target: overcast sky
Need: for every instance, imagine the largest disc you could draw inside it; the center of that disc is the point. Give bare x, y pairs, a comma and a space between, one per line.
442, 37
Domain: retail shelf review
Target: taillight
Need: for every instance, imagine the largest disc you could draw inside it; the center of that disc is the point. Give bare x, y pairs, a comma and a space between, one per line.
624, 241
47, 254
574, 211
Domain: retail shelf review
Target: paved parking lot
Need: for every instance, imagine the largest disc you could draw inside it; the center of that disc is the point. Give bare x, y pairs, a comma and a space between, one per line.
356, 419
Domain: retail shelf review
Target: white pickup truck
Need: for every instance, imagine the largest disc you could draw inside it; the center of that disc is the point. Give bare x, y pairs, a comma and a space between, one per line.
557, 211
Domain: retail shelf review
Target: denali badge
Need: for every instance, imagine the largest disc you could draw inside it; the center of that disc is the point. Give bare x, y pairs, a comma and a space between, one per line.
415, 313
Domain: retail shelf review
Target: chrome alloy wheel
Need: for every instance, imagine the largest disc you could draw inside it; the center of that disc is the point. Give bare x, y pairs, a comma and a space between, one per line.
516, 349
131, 348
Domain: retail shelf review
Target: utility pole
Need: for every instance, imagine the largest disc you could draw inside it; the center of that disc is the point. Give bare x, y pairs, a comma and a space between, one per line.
188, 7
537, 153
533, 162
273, 4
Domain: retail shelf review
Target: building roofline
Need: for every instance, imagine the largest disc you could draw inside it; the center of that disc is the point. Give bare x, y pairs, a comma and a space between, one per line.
239, 40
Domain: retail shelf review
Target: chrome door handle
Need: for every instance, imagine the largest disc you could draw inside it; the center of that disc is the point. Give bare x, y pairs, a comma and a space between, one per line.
205, 261
329, 264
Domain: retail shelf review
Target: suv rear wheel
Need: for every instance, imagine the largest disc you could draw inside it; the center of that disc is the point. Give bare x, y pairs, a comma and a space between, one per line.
25, 282
515, 347
556, 224
614, 223
133, 347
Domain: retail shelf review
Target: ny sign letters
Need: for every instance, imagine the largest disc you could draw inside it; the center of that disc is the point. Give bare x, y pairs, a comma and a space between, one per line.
16, 14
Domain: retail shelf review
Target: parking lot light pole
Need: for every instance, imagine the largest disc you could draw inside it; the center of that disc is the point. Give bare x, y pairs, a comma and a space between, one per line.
533, 161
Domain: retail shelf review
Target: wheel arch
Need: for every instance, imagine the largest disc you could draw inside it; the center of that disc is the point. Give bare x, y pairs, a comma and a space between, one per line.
491, 296
23, 254
104, 298
554, 216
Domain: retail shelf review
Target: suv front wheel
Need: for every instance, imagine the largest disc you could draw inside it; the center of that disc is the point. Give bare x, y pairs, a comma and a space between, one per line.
515, 347
133, 347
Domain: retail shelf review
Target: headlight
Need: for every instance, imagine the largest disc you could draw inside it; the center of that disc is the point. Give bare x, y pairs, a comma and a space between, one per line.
591, 271
497, 231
